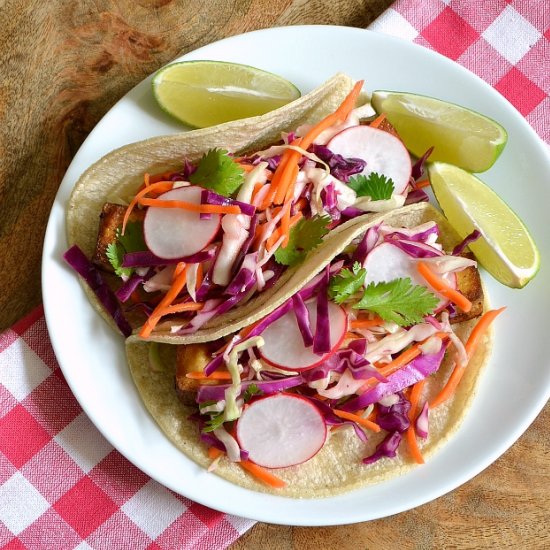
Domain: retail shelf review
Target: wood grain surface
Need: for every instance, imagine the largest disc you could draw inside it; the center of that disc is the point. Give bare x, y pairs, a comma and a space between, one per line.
62, 66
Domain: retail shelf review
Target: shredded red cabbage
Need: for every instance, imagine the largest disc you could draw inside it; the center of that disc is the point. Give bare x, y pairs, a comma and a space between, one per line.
202, 317
417, 249
459, 248
210, 197
217, 393
302, 318
416, 195
418, 167
421, 424
329, 199
146, 258
80, 263
386, 449
418, 369
247, 243
321, 338
340, 167
368, 242
394, 418
412, 235
245, 278
125, 291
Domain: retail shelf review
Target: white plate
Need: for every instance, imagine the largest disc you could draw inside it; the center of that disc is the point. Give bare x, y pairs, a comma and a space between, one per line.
517, 383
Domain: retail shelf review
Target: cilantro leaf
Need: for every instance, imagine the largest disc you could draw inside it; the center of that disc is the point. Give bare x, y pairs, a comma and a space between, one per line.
376, 186
399, 301
344, 285
115, 254
251, 391
214, 423
132, 240
304, 236
218, 171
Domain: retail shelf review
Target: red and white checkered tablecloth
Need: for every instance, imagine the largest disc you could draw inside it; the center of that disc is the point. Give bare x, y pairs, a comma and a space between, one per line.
62, 485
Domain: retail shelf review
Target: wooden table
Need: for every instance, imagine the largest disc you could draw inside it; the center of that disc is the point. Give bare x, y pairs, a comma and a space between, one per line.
63, 65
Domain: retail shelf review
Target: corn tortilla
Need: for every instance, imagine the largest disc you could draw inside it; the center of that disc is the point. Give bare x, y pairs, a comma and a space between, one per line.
337, 468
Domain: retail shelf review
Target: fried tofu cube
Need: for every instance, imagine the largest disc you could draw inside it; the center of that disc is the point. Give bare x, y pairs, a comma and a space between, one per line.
469, 284
191, 358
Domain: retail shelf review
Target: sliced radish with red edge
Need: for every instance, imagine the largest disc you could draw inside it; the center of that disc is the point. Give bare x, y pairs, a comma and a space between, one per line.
175, 232
383, 153
284, 345
281, 430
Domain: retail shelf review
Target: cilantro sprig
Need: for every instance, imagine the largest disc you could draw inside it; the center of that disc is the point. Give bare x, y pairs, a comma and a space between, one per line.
347, 283
215, 422
399, 301
131, 241
252, 391
306, 235
218, 171
375, 185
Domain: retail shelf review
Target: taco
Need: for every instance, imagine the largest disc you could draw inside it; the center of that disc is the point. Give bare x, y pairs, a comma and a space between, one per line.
362, 373
202, 229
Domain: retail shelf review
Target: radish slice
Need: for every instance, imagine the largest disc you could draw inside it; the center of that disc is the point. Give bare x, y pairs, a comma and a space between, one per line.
383, 153
174, 232
284, 345
281, 430
387, 262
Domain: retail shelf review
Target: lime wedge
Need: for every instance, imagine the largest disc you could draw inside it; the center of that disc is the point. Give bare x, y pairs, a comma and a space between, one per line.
505, 249
206, 93
458, 135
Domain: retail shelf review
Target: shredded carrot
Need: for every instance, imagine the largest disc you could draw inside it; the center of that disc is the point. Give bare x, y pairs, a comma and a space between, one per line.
442, 287
358, 419
163, 185
422, 184
378, 120
259, 234
179, 308
180, 266
276, 235
411, 430
146, 179
262, 474
246, 167
168, 298
200, 208
285, 225
214, 452
217, 375
480, 329
287, 172
471, 344
366, 323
